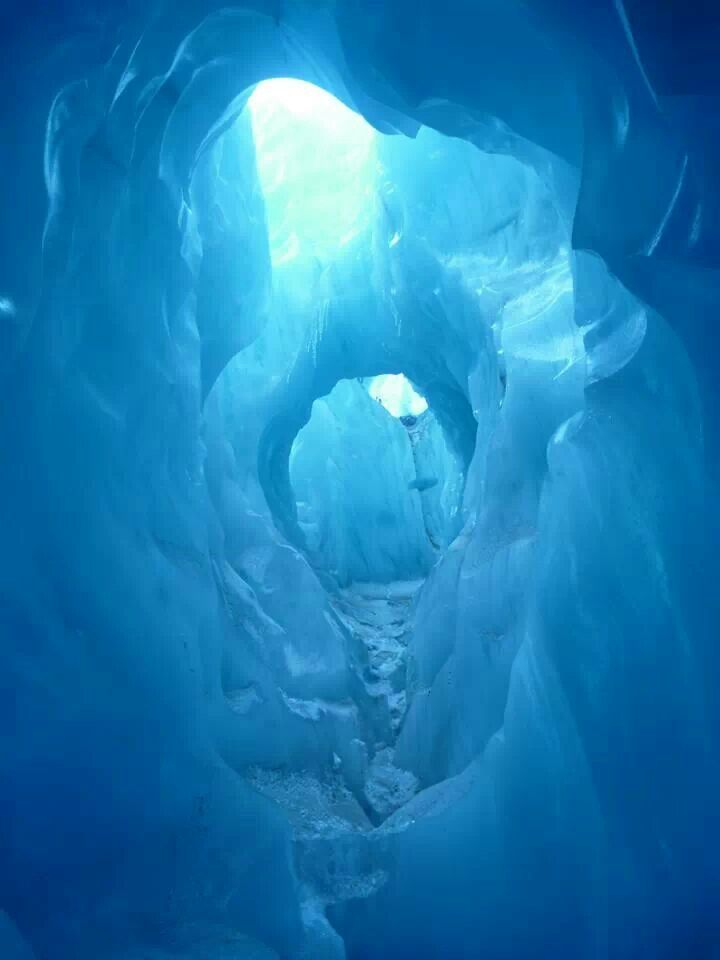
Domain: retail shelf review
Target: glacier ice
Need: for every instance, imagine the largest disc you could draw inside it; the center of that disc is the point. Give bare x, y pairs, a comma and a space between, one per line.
359, 492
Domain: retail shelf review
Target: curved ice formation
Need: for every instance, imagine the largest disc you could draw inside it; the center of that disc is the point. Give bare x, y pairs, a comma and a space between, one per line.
242, 718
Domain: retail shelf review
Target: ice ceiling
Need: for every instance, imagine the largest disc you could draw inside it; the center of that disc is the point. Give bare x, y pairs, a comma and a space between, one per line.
315, 159
360, 491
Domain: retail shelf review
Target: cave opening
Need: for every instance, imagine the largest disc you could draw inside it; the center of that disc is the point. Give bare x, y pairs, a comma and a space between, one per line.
315, 160
397, 395
359, 384
386, 430
378, 489
337, 205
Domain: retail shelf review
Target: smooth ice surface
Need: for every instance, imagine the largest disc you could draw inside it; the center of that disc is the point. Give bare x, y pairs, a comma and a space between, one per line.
285, 675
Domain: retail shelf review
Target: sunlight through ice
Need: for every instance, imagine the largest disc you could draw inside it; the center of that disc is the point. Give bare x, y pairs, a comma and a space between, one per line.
315, 160
396, 394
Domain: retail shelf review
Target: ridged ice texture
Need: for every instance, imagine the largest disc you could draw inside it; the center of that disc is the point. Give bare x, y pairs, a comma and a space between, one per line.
177, 679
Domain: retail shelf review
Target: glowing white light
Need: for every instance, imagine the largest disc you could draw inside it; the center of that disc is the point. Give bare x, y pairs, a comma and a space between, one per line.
315, 160
396, 394
7, 306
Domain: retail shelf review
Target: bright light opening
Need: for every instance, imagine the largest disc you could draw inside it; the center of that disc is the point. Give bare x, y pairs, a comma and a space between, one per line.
315, 161
395, 393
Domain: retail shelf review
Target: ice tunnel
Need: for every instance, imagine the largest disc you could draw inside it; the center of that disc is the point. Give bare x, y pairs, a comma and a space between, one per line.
359, 489
378, 490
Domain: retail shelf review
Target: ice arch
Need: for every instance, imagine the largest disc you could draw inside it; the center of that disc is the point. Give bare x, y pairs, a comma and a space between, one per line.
379, 491
151, 657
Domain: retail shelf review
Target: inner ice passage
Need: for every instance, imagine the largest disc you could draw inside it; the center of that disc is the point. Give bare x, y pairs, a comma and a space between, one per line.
360, 481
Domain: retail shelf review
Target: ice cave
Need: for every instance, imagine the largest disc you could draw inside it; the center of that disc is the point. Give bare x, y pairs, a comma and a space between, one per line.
360, 480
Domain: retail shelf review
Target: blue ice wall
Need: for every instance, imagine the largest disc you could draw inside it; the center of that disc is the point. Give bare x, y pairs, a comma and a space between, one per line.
209, 749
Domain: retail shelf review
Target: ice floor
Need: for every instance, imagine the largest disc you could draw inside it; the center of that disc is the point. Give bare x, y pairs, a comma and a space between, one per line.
325, 815
380, 616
